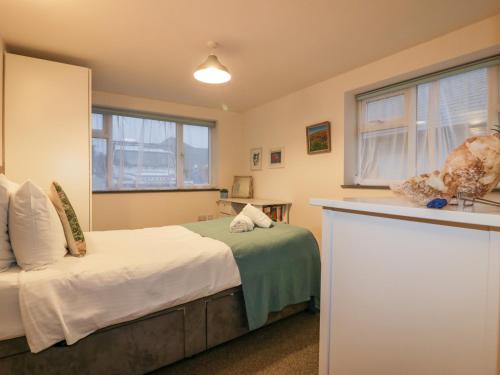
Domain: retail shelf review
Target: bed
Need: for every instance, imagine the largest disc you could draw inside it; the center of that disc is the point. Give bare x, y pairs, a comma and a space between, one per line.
10, 315
127, 308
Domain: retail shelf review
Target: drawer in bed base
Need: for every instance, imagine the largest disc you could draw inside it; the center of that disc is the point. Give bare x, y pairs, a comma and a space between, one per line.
142, 345
226, 318
136, 348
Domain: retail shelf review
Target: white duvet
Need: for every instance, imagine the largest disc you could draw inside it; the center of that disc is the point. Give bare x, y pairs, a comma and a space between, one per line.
126, 274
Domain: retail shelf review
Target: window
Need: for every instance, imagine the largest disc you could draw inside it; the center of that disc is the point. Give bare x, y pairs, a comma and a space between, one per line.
411, 130
146, 152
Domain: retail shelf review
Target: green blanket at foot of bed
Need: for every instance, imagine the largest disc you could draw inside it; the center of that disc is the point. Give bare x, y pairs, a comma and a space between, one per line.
279, 266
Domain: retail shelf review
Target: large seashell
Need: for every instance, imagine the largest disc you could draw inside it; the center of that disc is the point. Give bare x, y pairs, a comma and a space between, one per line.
472, 169
474, 166
423, 188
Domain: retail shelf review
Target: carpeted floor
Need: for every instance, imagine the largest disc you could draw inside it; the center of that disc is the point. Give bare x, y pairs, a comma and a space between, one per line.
287, 347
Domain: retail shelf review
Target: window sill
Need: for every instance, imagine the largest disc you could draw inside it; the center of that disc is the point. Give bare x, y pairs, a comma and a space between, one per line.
382, 187
374, 187
153, 191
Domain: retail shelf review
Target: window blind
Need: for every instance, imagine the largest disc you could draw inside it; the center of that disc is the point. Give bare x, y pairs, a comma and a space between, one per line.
486, 62
154, 116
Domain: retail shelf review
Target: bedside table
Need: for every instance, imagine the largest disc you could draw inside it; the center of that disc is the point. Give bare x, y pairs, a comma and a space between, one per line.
277, 210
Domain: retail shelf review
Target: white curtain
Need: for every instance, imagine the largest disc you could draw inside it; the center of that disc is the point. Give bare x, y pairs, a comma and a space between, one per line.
384, 156
449, 111
143, 153
196, 141
383, 140
99, 153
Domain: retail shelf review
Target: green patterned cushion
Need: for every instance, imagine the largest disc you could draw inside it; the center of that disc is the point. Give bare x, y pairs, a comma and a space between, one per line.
72, 229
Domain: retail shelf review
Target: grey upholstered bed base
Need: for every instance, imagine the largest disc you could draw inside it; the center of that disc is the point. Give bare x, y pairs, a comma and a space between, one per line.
141, 345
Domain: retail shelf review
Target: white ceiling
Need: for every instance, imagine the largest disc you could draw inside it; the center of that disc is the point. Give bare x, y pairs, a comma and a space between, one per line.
150, 48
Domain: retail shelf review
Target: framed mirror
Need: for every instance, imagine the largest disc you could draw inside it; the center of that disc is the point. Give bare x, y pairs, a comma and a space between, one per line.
242, 187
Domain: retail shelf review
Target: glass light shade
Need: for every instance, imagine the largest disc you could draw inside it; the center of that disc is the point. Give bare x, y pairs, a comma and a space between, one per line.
212, 71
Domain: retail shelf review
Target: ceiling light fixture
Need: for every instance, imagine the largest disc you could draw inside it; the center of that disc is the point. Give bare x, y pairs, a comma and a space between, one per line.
212, 71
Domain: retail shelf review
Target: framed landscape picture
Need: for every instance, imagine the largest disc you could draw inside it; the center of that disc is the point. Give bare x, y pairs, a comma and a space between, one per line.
318, 138
277, 157
256, 159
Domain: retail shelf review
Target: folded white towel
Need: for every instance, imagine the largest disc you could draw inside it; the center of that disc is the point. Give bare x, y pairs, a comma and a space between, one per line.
257, 216
241, 223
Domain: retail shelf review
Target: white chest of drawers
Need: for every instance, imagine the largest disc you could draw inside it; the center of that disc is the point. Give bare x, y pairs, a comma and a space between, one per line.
409, 290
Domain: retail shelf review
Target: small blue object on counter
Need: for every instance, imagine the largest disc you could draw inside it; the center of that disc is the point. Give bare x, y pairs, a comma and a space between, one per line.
437, 203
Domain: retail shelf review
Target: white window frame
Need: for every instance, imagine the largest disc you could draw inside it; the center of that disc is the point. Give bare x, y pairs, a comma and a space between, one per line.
107, 133
369, 126
409, 120
493, 96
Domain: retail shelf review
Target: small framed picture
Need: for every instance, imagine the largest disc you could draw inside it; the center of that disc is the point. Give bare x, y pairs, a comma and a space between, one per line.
277, 157
256, 159
318, 138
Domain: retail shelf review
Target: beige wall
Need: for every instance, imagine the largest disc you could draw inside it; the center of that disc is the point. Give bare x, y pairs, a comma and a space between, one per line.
142, 210
283, 121
137, 210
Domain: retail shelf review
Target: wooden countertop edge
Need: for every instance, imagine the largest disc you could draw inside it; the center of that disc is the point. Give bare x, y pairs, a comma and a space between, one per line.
418, 220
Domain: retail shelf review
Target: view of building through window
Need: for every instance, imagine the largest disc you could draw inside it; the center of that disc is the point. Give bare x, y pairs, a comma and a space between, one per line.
134, 153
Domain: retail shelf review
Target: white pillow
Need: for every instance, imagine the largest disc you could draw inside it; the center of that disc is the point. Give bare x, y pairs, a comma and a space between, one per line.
6, 256
36, 232
258, 217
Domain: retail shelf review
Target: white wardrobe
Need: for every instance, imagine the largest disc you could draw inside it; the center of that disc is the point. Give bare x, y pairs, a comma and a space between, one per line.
47, 127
